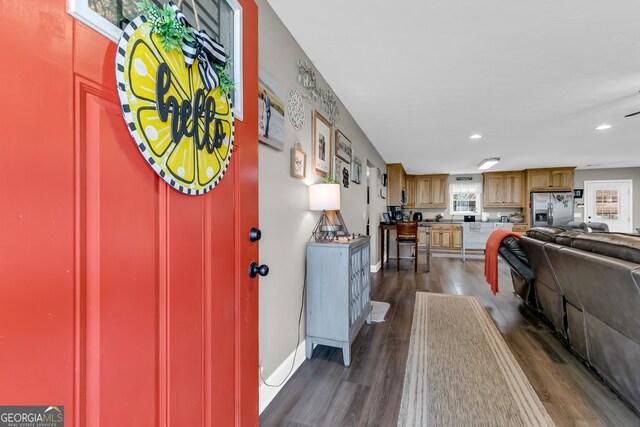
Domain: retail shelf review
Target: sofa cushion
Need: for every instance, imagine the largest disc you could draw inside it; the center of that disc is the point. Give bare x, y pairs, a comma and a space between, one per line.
615, 245
565, 238
546, 234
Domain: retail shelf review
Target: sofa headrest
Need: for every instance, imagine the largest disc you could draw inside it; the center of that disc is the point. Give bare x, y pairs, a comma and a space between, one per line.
512, 244
615, 245
546, 234
565, 238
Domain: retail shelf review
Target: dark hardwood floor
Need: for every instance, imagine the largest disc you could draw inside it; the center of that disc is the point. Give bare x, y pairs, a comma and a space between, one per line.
323, 392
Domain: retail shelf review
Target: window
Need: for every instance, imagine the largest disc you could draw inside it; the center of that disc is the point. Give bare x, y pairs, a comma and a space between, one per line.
465, 198
221, 19
607, 204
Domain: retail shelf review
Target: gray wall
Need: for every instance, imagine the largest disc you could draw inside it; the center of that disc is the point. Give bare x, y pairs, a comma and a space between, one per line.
285, 220
582, 175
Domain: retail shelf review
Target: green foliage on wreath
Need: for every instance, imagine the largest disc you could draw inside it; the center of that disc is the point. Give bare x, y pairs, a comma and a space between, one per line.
164, 23
226, 84
173, 33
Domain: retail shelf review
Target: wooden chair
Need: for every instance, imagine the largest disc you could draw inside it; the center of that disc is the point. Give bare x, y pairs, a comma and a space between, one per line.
407, 232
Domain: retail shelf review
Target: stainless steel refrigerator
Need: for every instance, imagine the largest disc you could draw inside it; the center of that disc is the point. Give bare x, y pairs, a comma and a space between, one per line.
554, 209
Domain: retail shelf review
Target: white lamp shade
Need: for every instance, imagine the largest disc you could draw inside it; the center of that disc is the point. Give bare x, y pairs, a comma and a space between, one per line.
324, 197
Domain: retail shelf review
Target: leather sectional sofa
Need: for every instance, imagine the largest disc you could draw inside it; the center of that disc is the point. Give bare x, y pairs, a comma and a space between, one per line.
588, 286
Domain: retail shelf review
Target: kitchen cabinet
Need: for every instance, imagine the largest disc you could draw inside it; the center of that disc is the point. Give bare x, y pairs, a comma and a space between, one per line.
520, 228
556, 179
446, 236
504, 189
456, 236
410, 189
338, 294
395, 184
431, 191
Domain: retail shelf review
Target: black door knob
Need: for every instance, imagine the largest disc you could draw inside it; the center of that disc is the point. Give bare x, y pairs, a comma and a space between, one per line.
254, 234
254, 270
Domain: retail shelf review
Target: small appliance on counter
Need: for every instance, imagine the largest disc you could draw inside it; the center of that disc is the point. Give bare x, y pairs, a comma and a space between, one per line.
469, 218
504, 218
395, 212
439, 217
417, 216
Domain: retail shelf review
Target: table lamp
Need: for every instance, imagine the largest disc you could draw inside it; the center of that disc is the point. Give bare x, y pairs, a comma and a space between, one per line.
326, 197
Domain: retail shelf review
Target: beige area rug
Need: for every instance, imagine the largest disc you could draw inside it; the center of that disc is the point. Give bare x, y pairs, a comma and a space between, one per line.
379, 311
460, 371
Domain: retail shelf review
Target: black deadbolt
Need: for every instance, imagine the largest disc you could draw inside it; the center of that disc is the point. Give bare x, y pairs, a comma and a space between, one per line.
254, 270
254, 234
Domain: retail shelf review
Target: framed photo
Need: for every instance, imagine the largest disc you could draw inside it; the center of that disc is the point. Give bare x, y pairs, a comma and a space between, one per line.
385, 217
298, 162
356, 169
343, 147
270, 113
322, 145
341, 171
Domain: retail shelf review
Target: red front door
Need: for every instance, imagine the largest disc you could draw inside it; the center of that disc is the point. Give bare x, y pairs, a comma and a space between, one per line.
121, 299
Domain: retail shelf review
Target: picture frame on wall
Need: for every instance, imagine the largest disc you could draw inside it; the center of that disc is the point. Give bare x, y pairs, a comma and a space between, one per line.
343, 147
322, 144
341, 171
298, 162
356, 170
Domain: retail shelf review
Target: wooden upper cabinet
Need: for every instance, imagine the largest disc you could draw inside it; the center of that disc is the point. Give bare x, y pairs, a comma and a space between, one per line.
556, 179
423, 191
431, 191
410, 188
439, 191
504, 189
395, 184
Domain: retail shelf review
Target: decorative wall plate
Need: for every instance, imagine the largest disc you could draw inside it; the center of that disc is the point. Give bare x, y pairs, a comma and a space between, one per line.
295, 108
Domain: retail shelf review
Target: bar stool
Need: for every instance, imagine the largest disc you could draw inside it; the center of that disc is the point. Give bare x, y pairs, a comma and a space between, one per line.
407, 232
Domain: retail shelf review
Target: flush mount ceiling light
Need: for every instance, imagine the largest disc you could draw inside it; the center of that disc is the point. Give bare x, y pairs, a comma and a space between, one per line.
603, 127
487, 163
475, 136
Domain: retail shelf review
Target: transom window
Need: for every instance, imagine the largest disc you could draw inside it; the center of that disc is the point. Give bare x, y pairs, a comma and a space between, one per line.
465, 198
221, 19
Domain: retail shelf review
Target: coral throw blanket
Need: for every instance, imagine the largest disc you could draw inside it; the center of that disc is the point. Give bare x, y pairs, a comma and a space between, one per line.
491, 257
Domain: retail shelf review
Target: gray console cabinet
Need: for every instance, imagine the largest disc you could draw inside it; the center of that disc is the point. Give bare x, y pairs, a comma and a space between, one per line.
338, 294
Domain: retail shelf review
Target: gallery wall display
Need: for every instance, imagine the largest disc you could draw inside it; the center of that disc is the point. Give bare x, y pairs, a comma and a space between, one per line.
343, 147
341, 171
356, 169
271, 113
298, 162
176, 104
322, 145
295, 109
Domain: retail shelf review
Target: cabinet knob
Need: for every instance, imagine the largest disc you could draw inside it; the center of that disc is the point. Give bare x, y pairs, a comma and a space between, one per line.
254, 270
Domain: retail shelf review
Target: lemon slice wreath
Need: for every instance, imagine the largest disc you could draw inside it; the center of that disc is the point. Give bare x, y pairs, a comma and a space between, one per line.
184, 130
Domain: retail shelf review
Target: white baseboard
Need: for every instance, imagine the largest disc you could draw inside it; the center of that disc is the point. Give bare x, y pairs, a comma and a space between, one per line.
267, 394
375, 268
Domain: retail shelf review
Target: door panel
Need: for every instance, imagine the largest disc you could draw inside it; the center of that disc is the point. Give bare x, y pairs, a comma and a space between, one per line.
122, 299
118, 318
609, 202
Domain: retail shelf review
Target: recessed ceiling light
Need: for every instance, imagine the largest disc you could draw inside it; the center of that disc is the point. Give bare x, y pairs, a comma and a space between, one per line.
487, 163
603, 127
475, 136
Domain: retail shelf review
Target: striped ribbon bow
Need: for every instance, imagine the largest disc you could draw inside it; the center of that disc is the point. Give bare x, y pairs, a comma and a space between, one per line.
208, 51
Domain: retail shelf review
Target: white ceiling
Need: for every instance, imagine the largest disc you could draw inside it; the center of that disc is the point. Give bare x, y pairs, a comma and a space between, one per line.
534, 78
